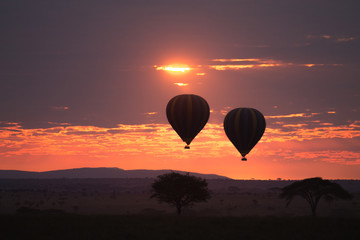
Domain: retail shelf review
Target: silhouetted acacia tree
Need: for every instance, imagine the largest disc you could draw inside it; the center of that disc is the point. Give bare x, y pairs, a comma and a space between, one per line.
180, 190
313, 189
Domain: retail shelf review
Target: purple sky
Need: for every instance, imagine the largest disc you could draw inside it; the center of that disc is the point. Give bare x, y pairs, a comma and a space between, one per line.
91, 63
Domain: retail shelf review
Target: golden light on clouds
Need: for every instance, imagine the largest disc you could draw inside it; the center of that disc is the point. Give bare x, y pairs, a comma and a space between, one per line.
236, 60
313, 65
294, 115
309, 65
230, 67
234, 64
222, 64
244, 63
270, 65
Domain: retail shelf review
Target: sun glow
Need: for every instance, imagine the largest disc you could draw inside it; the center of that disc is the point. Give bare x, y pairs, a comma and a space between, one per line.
181, 84
171, 68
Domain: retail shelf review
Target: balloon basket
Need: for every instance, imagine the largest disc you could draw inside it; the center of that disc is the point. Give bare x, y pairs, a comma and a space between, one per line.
243, 159
187, 147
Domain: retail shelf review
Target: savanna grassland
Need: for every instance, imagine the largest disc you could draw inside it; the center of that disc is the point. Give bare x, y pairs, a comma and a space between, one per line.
97, 227
123, 209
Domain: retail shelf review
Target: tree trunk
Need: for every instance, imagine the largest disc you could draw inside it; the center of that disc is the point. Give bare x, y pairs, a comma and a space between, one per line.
313, 211
178, 208
314, 206
313, 203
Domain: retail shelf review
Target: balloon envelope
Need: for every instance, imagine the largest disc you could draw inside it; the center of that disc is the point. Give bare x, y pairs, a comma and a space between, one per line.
244, 127
187, 114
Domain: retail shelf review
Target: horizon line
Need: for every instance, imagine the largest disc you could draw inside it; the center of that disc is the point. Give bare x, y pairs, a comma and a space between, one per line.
229, 178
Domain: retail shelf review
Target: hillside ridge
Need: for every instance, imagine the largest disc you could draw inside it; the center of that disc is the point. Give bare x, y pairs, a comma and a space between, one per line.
101, 172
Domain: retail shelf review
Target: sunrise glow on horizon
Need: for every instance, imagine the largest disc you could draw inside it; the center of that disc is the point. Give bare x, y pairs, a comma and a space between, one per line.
149, 145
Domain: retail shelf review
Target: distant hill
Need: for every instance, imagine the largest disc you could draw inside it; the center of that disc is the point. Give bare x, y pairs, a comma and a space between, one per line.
96, 173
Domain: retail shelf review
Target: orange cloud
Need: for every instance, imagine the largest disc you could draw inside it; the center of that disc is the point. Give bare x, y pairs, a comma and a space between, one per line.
151, 113
236, 60
144, 137
312, 65
230, 67
250, 63
156, 146
294, 115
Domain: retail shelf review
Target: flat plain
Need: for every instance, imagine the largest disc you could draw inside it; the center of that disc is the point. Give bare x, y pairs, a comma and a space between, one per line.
123, 209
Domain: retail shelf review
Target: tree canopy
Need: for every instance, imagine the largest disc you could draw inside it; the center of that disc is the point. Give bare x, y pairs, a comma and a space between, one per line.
312, 190
180, 190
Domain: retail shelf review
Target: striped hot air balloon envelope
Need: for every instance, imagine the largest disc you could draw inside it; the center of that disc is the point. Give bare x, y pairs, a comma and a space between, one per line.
187, 114
244, 127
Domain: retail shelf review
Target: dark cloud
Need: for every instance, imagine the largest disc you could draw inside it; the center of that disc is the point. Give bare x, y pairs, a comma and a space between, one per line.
54, 130
8, 124
80, 133
116, 131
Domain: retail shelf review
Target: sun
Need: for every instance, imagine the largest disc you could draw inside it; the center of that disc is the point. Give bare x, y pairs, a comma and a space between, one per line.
181, 84
173, 68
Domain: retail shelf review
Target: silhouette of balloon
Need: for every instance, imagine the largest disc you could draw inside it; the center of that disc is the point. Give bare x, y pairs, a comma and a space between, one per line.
187, 114
244, 127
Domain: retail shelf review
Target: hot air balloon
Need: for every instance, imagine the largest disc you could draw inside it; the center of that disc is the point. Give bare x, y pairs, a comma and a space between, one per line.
244, 127
187, 114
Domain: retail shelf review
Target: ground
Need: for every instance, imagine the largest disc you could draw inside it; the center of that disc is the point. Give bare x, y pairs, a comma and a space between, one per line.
104, 227
132, 196
122, 209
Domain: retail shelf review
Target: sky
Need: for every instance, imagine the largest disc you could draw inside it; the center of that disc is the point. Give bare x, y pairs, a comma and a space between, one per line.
85, 83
